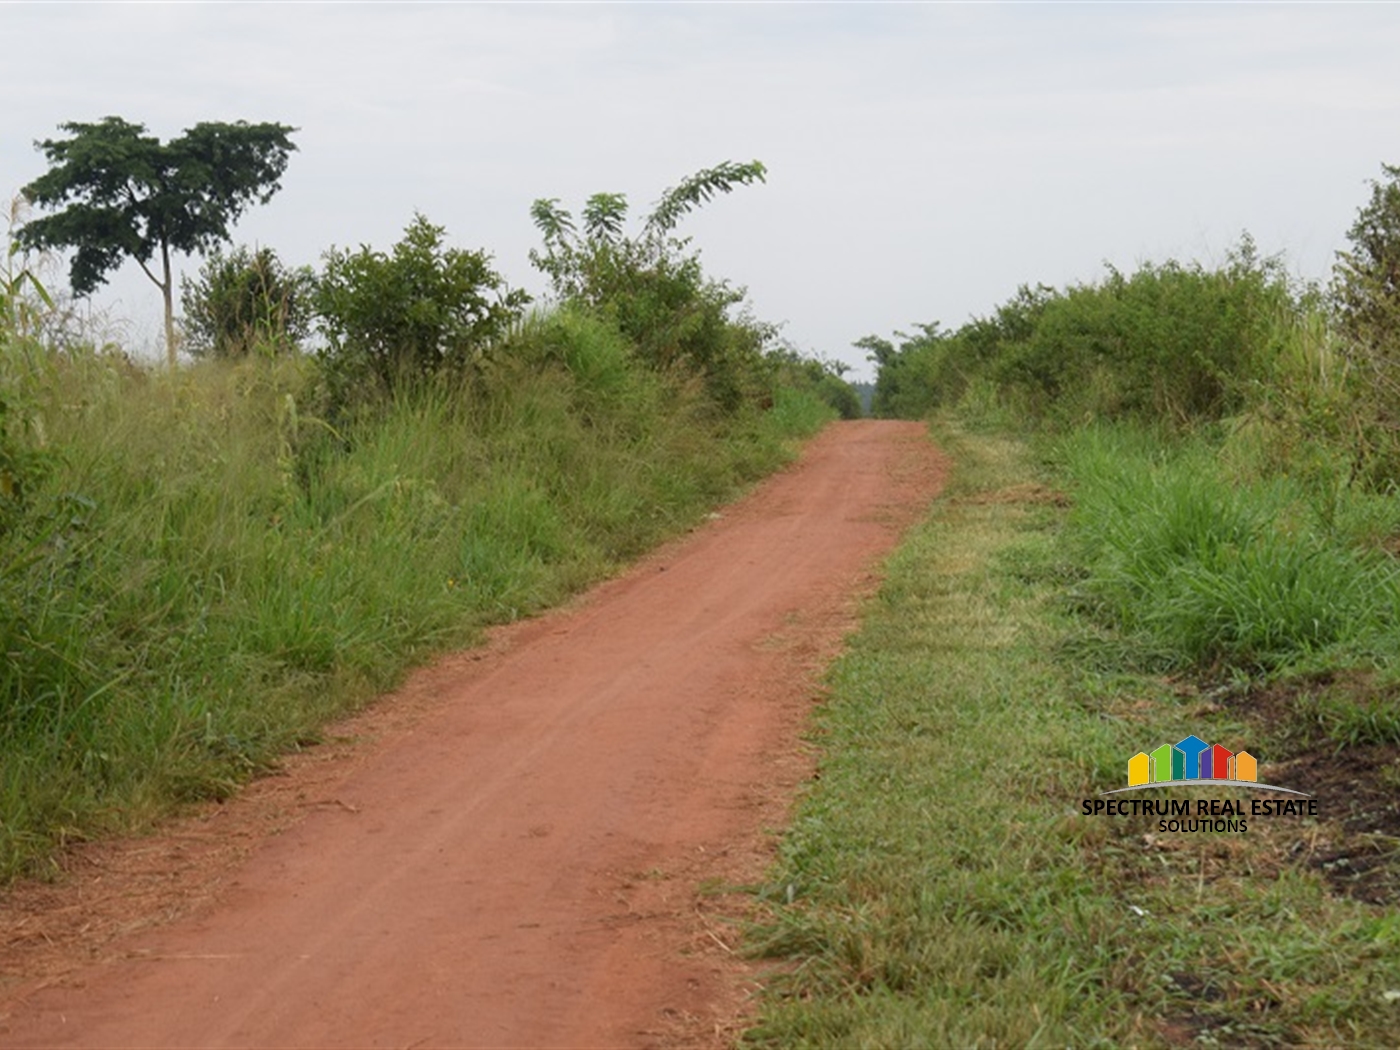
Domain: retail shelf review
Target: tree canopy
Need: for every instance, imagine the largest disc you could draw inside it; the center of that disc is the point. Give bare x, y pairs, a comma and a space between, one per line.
117, 192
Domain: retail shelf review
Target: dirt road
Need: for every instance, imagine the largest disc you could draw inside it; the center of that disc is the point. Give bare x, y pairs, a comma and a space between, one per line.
512, 851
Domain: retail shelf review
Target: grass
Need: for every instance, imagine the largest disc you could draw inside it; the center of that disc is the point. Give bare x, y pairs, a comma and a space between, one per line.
209, 570
940, 885
1251, 573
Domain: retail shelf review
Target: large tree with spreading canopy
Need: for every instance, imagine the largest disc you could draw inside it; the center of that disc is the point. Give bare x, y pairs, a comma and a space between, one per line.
116, 192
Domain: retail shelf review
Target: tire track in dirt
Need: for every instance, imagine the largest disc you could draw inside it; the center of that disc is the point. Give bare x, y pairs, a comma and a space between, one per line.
515, 857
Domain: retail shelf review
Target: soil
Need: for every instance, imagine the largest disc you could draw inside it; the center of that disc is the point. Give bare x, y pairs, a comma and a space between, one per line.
1355, 845
537, 843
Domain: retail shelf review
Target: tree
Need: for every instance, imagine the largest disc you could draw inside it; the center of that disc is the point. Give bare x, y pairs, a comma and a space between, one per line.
118, 192
591, 266
247, 300
1366, 282
415, 311
650, 285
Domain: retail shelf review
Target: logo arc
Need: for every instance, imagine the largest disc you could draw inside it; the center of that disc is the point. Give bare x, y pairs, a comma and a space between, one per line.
1200, 782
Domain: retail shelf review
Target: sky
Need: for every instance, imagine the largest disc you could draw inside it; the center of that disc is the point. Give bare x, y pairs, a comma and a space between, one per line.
924, 159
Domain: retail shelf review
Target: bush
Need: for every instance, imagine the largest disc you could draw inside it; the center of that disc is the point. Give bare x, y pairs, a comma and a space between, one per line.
1172, 343
1366, 284
653, 288
821, 379
246, 301
1364, 320
936, 368
420, 310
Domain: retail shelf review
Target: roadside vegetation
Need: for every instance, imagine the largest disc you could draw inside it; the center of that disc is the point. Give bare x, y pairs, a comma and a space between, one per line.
362, 466
1174, 511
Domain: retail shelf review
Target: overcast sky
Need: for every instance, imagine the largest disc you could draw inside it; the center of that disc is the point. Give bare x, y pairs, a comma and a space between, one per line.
924, 159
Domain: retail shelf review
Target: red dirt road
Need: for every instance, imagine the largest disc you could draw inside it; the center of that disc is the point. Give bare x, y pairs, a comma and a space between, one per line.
516, 860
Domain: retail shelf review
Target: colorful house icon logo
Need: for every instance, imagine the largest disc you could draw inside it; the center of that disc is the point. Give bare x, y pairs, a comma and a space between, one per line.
1191, 759
1193, 762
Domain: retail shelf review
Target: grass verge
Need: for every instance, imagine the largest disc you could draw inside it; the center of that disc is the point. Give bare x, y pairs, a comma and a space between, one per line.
940, 885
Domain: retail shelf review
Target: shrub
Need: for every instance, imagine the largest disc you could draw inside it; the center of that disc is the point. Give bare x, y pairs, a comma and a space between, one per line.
653, 288
1174, 342
822, 379
1366, 284
1365, 305
414, 312
244, 301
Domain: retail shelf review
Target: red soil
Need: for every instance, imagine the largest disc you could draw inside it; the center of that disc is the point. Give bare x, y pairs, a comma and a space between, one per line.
516, 849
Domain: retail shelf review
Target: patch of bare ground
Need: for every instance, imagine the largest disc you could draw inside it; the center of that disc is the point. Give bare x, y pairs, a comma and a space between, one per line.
1356, 843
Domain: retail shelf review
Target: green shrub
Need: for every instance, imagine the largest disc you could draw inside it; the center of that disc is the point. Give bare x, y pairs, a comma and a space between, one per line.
1172, 343
935, 368
415, 312
246, 301
791, 370
1366, 285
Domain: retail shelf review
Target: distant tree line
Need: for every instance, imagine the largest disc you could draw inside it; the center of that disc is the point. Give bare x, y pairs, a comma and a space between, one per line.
1183, 345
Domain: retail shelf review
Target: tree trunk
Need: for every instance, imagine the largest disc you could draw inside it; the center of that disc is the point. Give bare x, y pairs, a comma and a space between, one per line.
166, 292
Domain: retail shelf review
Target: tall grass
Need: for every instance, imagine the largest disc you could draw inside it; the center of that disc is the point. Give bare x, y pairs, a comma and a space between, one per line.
1205, 568
210, 570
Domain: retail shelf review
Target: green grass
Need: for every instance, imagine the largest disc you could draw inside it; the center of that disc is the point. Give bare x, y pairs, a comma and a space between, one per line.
209, 571
1207, 568
939, 885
